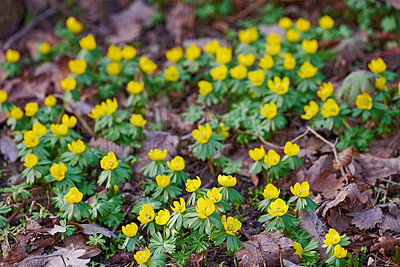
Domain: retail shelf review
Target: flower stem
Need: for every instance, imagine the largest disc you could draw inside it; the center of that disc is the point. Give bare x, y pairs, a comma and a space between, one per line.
210, 164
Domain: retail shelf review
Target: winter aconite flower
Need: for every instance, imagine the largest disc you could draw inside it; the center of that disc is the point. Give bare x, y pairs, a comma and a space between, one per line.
326, 22
219, 73
171, 74
204, 87
211, 47
30, 160
291, 149
289, 62
330, 108
73, 196
31, 108
246, 60
88, 42
59, 129
272, 158
174, 54
227, 180
380, 83
307, 70
269, 111
130, 230
271, 192
205, 207
137, 120
176, 164
163, 180
3, 96
257, 77
202, 134
193, 184
157, 154
193, 52
325, 91
128, 52
299, 250
73, 25
266, 62
142, 257
300, 190
146, 214
214, 195
339, 252
114, 53
114, 68
58, 171
310, 110
68, 84
77, 66
39, 129
109, 162
332, 237
302, 25
50, 101
248, 35
179, 207
44, 48
239, 72
30, 139
377, 66
223, 55
257, 153
310, 46
231, 225
16, 113
12, 56
273, 48
135, 87
364, 101
278, 208
285, 23
273, 38
69, 121
293, 36
147, 65
163, 217
278, 85
77, 147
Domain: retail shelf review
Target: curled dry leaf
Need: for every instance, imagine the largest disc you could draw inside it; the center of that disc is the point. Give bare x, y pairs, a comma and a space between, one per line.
369, 167
67, 257
92, 228
386, 242
345, 157
8, 148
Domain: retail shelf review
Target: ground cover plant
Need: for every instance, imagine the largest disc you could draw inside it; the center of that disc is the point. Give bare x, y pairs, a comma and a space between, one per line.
264, 146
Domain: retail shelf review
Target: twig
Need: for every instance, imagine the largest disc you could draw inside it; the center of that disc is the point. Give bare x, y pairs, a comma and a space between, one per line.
300, 136
82, 121
169, 256
262, 139
387, 181
29, 27
246, 11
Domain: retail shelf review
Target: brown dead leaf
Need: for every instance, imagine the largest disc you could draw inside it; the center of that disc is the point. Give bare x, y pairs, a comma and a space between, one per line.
267, 249
67, 257
107, 146
8, 148
77, 242
345, 157
92, 228
367, 219
274, 28
369, 166
386, 242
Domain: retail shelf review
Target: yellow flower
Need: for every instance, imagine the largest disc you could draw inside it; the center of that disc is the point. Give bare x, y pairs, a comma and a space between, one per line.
39, 128
135, 87
299, 249
325, 91
231, 225
179, 207
222, 130
204, 87
97, 112
302, 25
248, 35
278, 208
223, 54
214, 195
193, 184
130, 230
128, 52
289, 62
73, 196
69, 121
246, 60
279, 86
273, 48
266, 62
44, 48
310, 110
273, 38
193, 52
77, 146
146, 214
285, 23
271, 192
109, 162
307, 70
59, 129
332, 237
157, 154
88, 42
68, 84
339, 252
398, 86
272, 158
239, 72
364, 101
380, 83
3, 96
326, 22
227, 180
300, 190
257, 153
293, 36
12, 56
142, 256
16, 113
110, 106
137, 120
147, 65
176, 164
377, 66
291, 149
202, 133
31, 108
163, 217
30, 160
269, 111
174, 54
30, 139
114, 68
50, 101
116, 188
73, 25
114, 53
211, 47
257, 77
330, 108
77, 66
163, 180
219, 73
171, 74
310, 46
58, 171
205, 207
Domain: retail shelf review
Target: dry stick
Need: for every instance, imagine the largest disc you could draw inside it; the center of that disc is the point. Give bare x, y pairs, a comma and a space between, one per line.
262, 139
300, 136
82, 121
388, 181
246, 11
169, 256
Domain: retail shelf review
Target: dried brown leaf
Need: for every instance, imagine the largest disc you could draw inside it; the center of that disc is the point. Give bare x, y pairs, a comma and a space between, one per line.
345, 157
367, 219
107, 146
370, 166
386, 242
67, 257
92, 228
8, 148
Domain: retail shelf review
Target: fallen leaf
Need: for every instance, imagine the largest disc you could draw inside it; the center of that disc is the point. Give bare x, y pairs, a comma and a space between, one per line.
8, 148
386, 242
67, 257
369, 166
345, 157
92, 228
367, 219
77, 242
107, 146
274, 28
